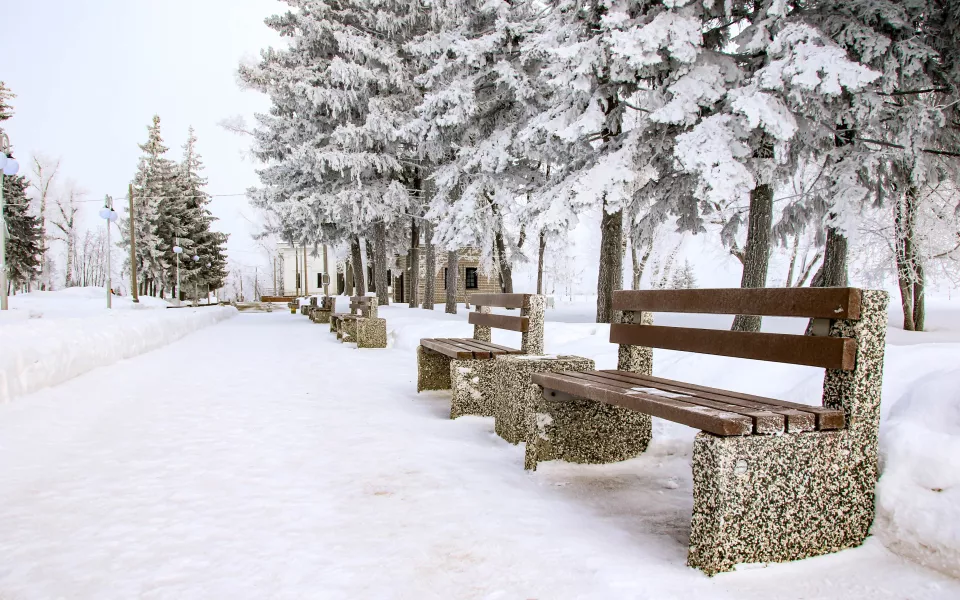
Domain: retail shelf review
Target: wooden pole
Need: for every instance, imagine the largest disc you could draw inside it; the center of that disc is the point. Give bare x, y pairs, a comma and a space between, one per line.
306, 282
133, 250
326, 273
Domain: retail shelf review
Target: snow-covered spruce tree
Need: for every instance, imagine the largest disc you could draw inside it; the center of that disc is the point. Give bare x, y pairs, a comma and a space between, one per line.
480, 88
24, 243
607, 66
153, 184
777, 89
902, 137
336, 164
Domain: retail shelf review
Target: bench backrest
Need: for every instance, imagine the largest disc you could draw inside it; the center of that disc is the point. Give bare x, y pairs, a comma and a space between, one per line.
846, 338
364, 305
327, 303
529, 323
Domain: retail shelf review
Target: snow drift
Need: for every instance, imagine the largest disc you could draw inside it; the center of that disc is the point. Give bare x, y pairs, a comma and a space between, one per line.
51, 337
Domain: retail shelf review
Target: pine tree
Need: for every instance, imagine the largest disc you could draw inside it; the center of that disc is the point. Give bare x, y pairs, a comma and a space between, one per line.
6, 110
156, 206
24, 243
684, 279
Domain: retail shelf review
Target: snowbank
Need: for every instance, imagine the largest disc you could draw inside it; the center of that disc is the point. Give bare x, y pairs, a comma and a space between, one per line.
49, 337
918, 498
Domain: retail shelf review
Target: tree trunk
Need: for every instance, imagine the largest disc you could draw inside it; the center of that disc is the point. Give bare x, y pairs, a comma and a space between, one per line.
453, 267
348, 279
430, 283
638, 269
919, 305
414, 264
380, 263
356, 257
833, 271
610, 276
904, 225
756, 253
793, 260
503, 262
542, 250
372, 267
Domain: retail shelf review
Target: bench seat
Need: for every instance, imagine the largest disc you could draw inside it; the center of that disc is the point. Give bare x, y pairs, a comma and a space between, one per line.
466, 348
717, 411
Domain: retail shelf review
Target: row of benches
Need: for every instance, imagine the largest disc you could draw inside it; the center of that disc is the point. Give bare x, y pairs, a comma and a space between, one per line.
773, 480
361, 325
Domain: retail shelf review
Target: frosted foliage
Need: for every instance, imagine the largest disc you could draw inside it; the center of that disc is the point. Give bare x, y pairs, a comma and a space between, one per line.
764, 111
679, 35
714, 150
810, 62
702, 86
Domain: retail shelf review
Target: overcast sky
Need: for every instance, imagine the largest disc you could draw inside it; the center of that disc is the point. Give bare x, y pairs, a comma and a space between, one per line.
90, 74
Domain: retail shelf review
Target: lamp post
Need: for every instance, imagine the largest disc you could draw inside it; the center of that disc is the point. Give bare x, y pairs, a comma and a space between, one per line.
109, 215
196, 293
208, 283
178, 251
8, 166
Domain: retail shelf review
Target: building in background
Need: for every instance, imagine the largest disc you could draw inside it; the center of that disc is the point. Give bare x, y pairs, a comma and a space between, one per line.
301, 276
470, 278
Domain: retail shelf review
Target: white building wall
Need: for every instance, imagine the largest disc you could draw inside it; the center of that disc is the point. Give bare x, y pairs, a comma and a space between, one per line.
315, 269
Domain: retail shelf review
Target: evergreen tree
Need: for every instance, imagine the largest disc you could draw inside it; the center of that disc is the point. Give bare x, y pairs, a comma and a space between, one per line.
194, 221
6, 110
156, 206
24, 244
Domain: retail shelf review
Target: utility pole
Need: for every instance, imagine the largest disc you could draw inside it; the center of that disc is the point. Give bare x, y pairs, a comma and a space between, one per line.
133, 251
306, 279
326, 273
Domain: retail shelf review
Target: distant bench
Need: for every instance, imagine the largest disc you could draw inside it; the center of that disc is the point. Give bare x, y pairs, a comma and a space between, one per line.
321, 309
364, 327
773, 480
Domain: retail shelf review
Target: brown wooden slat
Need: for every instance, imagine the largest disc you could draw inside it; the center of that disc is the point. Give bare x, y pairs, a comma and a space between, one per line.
492, 349
765, 421
827, 418
477, 351
498, 300
501, 349
500, 321
361, 299
706, 419
796, 420
826, 303
826, 352
442, 347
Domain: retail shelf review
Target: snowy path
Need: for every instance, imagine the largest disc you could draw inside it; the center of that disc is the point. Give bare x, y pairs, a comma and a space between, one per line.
259, 458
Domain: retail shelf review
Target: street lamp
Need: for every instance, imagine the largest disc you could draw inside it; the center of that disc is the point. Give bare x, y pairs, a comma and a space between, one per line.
196, 294
178, 251
10, 167
208, 283
109, 215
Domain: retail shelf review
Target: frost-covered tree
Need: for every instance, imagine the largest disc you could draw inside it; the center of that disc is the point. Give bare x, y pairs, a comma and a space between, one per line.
153, 195
24, 243
767, 101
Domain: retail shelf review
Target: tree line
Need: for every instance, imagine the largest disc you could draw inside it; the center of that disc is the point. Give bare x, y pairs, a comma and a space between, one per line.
810, 125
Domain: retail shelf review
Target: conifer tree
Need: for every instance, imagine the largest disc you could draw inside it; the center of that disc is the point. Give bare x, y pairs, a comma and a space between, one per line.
24, 244
154, 195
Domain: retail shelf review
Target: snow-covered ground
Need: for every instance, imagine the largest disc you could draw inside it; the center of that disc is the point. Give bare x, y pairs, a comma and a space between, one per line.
49, 337
260, 458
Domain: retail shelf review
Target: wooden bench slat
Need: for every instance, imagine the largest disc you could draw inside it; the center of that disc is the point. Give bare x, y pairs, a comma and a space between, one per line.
765, 421
477, 351
498, 300
501, 349
442, 347
819, 303
479, 346
826, 418
796, 420
507, 322
826, 352
706, 419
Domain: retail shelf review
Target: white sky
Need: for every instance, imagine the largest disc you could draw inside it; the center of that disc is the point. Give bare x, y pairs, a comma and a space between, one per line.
90, 74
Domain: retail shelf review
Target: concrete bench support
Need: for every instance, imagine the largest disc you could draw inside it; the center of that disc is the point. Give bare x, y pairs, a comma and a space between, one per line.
779, 498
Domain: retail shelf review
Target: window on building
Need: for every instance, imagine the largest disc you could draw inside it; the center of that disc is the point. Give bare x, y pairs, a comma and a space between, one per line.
319, 280
445, 278
470, 278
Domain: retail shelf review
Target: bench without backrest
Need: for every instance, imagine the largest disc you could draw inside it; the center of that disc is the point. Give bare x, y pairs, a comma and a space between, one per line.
529, 323
713, 410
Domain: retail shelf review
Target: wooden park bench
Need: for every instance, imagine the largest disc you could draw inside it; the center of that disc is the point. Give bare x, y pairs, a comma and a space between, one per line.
321, 309
479, 372
772, 480
363, 327
294, 306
